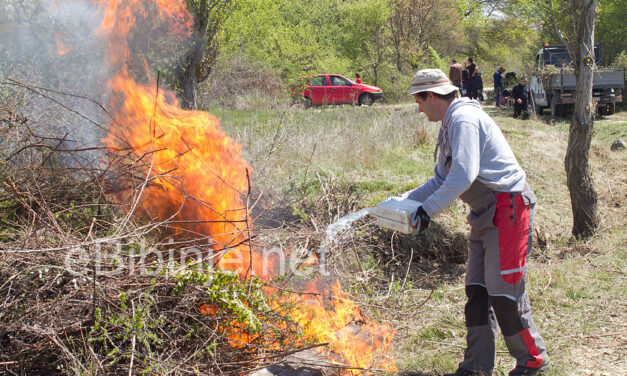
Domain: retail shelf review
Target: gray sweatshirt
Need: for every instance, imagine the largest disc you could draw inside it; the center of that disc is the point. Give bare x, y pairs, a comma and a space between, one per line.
471, 147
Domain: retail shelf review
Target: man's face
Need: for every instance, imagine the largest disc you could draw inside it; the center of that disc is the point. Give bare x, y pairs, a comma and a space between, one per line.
427, 106
523, 82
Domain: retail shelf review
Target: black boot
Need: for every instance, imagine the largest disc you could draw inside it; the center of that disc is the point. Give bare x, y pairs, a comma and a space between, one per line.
527, 371
465, 372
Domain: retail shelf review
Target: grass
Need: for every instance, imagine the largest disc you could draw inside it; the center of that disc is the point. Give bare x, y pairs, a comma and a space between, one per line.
577, 289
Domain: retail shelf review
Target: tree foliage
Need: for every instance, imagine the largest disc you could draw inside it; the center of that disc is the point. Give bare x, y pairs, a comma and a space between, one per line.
611, 29
387, 40
418, 25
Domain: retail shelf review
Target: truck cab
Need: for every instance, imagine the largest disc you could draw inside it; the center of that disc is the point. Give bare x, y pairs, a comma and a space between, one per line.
559, 57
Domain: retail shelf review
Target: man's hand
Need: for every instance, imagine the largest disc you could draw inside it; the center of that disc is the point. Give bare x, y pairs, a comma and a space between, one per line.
519, 100
420, 220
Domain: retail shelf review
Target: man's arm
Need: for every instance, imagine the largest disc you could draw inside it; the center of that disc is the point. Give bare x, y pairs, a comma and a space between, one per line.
424, 191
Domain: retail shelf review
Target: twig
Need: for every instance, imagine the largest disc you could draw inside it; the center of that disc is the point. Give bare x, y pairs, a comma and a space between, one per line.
423, 303
411, 257
32, 88
308, 164
609, 186
130, 366
250, 245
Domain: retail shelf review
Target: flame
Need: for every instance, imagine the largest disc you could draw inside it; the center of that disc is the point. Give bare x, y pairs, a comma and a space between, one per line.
196, 177
200, 170
62, 45
329, 323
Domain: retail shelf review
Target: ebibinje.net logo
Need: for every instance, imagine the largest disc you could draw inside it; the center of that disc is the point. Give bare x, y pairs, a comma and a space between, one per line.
111, 258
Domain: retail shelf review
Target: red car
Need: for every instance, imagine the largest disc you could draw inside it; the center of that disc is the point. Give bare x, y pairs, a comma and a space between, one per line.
335, 89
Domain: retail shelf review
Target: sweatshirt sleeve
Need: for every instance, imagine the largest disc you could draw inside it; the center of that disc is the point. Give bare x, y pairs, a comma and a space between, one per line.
466, 155
424, 191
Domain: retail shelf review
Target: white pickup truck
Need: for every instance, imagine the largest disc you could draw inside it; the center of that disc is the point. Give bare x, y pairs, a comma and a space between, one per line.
553, 84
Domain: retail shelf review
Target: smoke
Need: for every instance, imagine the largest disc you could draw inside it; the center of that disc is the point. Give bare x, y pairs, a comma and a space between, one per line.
58, 45
54, 45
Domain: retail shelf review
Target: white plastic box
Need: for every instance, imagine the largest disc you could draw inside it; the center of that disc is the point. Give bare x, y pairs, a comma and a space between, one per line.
395, 213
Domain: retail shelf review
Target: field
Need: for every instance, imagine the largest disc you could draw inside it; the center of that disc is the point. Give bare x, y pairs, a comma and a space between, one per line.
317, 165
85, 288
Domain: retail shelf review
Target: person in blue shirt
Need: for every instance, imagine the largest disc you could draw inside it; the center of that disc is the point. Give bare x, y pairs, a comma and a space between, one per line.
498, 85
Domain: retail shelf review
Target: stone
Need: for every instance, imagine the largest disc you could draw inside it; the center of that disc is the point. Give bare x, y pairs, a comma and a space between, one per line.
618, 144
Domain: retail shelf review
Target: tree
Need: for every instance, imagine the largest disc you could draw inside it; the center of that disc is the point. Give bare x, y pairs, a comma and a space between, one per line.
364, 34
292, 37
501, 31
416, 25
611, 29
196, 65
576, 29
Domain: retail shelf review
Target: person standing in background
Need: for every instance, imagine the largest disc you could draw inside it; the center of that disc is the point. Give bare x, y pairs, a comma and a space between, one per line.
358, 78
471, 82
498, 85
455, 74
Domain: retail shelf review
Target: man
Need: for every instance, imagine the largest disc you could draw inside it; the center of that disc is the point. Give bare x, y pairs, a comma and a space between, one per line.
455, 74
476, 164
520, 94
471, 82
498, 85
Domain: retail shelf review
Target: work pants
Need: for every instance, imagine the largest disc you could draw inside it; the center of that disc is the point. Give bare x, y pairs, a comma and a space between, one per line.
521, 108
472, 88
498, 92
499, 243
458, 83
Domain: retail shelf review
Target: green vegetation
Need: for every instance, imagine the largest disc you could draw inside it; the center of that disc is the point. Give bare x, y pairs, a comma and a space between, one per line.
275, 41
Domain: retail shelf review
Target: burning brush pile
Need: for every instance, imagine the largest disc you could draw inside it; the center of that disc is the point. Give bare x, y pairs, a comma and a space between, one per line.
128, 248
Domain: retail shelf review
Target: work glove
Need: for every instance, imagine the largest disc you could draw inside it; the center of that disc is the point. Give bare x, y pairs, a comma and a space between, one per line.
420, 220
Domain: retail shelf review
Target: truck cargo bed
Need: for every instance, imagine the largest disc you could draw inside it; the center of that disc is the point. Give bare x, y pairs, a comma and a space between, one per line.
564, 79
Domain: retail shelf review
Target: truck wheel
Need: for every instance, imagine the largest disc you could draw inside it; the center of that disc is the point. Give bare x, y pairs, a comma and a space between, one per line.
611, 108
366, 100
539, 110
308, 103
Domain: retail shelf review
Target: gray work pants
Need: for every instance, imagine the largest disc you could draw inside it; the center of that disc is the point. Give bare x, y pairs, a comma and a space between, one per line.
499, 243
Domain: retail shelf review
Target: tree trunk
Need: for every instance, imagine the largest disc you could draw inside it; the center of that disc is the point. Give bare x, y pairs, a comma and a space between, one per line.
188, 85
189, 75
583, 195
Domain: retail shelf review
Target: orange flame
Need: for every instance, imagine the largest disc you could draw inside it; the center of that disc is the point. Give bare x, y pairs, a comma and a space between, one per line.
195, 171
62, 46
330, 324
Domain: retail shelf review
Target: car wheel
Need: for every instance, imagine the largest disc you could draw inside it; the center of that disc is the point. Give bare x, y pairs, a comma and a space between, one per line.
308, 103
366, 100
539, 110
